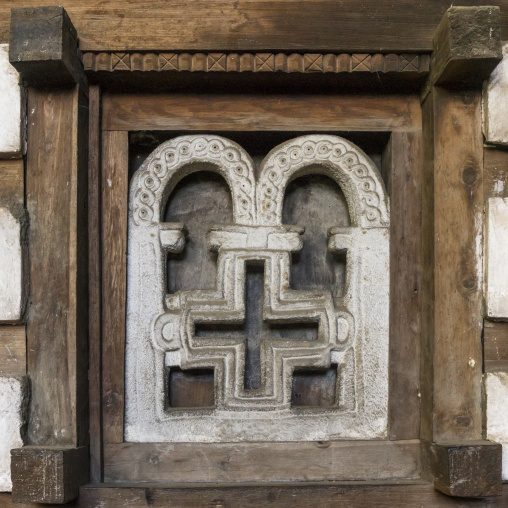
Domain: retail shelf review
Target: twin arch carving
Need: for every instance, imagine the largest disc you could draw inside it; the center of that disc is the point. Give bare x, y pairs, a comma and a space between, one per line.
352, 329
261, 203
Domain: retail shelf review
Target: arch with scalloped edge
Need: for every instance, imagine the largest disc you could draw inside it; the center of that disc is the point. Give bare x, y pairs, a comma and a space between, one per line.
332, 156
174, 159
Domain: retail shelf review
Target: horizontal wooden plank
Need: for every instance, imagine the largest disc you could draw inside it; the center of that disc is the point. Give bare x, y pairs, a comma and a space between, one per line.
348, 25
495, 346
258, 462
11, 182
356, 495
495, 173
12, 351
261, 113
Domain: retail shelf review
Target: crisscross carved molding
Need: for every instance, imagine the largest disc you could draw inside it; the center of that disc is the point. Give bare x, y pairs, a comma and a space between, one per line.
257, 62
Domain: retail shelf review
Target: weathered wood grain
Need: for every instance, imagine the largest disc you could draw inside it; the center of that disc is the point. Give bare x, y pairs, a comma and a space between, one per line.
495, 173
401, 25
260, 112
49, 475
452, 278
469, 470
262, 462
12, 351
495, 346
405, 177
467, 46
11, 183
114, 183
43, 46
57, 325
95, 289
339, 495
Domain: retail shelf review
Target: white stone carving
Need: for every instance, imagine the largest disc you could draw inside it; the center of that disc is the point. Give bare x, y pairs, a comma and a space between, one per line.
11, 283
496, 258
13, 406
10, 106
497, 412
495, 103
352, 329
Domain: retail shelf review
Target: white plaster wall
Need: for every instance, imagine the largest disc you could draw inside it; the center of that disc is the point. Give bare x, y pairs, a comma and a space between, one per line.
13, 391
13, 398
10, 106
495, 103
10, 267
497, 413
496, 297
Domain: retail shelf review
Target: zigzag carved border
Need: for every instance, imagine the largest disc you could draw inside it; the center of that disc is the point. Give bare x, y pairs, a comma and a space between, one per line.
256, 62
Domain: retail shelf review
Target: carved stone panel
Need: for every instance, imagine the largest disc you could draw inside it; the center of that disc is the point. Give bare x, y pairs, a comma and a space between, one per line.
352, 326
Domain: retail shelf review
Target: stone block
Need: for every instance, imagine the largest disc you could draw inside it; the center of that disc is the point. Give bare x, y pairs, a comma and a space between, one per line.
11, 267
497, 413
495, 103
496, 255
13, 404
10, 106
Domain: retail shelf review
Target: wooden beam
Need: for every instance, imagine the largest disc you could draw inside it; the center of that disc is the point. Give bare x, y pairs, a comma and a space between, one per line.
260, 25
95, 285
12, 351
405, 178
44, 43
495, 346
43, 47
259, 112
471, 469
262, 462
467, 47
114, 186
341, 495
52, 475
495, 168
452, 228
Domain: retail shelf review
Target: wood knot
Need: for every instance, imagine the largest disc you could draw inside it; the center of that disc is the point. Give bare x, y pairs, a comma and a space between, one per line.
323, 444
464, 420
469, 175
470, 282
467, 97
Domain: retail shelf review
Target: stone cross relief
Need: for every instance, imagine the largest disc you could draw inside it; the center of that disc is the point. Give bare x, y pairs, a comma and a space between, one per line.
352, 330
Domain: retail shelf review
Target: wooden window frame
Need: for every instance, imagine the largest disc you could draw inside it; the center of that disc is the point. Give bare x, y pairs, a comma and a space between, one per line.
448, 445
396, 458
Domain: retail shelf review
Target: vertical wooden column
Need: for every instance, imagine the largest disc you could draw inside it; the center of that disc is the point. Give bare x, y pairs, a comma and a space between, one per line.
43, 48
466, 48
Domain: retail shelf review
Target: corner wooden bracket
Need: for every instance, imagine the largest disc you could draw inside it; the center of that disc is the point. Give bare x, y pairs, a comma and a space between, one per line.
43, 47
467, 47
48, 475
468, 469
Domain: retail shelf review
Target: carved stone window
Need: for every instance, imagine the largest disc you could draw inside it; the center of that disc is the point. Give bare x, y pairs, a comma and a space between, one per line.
255, 341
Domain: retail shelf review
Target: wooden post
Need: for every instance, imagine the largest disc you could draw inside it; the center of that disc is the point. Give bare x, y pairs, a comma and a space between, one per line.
466, 49
43, 47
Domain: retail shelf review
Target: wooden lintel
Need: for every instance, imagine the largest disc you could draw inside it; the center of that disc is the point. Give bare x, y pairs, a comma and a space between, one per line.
44, 47
49, 475
467, 47
468, 469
